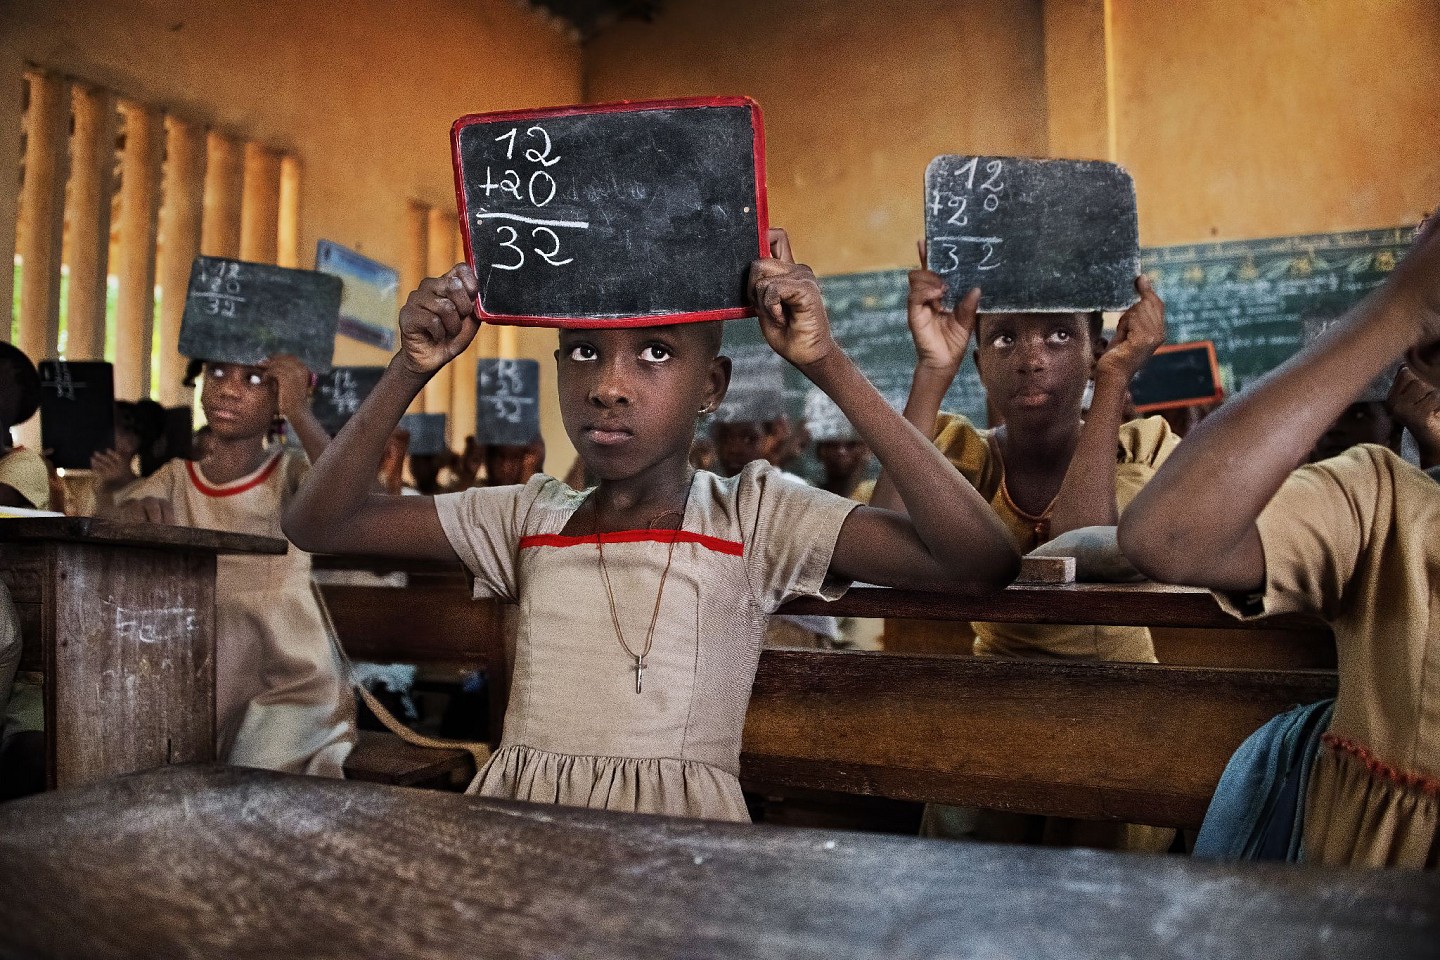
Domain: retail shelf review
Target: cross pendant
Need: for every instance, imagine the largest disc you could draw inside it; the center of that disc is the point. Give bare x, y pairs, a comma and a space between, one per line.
639, 673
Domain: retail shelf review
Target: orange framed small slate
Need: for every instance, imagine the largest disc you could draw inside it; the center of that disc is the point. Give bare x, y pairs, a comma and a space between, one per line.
1178, 375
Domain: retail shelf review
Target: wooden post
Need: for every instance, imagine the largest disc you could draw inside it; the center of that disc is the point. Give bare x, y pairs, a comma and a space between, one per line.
180, 220
42, 214
417, 260
92, 187
12, 96
287, 252
135, 266
1080, 78
224, 190
260, 208
440, 249
462, 392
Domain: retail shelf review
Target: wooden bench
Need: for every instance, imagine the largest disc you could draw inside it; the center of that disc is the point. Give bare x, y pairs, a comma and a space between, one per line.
225, 861
1132, 742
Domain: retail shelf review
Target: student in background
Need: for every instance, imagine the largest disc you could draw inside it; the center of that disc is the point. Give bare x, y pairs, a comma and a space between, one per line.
281, 699
509, 464
1354, 539
1045, 472
24, 479
643, 599
845, 461
139, 441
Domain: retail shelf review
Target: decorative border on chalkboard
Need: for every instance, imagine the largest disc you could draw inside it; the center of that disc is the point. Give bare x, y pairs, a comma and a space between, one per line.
1219, 393
762, 207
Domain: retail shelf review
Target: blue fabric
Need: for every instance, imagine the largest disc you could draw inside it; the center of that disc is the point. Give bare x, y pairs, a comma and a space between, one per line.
1259, 805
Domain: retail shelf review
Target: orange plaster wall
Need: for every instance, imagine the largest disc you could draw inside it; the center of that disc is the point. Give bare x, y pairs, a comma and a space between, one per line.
858, 98
1241, 119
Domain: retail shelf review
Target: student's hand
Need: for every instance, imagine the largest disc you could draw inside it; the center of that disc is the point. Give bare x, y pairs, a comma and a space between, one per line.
147, 510
438, 320
1140, 331
112, 468
1416, 404
940, 335
289, 381
792, 312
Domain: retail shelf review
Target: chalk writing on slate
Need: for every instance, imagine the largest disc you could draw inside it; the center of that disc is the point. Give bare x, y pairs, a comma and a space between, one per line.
239, 312
1034, 235
1252, 296
1177, 375
339, 393
507, 402
77, 411
599, 216
427, 433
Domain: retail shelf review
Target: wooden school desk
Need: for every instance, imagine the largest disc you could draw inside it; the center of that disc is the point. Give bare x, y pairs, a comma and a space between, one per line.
120, 620
213, 861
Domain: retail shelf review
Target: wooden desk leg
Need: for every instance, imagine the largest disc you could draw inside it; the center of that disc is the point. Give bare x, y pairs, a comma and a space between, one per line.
129, 660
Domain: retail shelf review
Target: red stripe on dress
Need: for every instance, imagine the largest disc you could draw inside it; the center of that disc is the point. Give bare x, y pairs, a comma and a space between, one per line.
210, 491
635, 536
1379, 768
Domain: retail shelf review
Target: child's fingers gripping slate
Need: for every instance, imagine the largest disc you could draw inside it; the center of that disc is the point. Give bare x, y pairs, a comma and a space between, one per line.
779, 242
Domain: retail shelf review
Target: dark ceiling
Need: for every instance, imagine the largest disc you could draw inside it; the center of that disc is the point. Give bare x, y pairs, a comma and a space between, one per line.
589, 17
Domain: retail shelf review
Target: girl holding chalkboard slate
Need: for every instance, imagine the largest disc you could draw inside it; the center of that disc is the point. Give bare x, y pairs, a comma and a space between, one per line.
1354, 539
281, 701
643, 601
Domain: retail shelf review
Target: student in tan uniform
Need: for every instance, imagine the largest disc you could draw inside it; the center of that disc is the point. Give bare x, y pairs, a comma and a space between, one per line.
24, 479
1354, 539
281, 698
644, 599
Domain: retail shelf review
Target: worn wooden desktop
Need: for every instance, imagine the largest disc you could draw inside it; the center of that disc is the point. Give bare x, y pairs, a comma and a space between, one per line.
120, 620
212, 861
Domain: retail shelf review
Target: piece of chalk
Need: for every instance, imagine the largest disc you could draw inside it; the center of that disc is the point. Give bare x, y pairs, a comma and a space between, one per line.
1046, 570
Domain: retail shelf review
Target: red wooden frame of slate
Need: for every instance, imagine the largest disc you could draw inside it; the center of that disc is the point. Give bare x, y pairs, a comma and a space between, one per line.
762, 214
1219, 393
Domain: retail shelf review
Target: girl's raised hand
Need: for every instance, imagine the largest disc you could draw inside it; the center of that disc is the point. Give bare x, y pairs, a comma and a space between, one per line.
1141, 329
792, 312
438, 320
290, 381
940, 335
1416, 405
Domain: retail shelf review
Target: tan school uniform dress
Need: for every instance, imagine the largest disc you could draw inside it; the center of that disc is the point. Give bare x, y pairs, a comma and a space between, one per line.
576, 732
24, 471
1356, 540
282, 701
1141, 447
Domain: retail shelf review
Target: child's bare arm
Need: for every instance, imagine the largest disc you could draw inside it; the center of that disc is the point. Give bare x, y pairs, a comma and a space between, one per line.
336, 510
952, 540
1194, 523
1087, 495
941, 337
290, 379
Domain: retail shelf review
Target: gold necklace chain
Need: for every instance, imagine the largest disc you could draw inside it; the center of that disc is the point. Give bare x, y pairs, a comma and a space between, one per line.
639, 658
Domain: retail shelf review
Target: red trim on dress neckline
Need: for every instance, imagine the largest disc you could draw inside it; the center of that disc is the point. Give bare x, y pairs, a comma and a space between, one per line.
1379, 768
635, 536
210, 491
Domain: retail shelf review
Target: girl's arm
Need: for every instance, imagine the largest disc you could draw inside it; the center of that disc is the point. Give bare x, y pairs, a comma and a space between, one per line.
941, 337
952, 541
1087, 494
290, 379
336, 509
1194, 523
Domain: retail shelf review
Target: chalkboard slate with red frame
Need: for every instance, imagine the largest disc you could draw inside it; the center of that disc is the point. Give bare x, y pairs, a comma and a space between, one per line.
627, 214
1033, 235
1177, 375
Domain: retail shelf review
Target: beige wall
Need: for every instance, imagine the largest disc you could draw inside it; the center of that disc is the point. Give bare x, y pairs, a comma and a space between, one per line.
362, 94
1244, 119
858, 97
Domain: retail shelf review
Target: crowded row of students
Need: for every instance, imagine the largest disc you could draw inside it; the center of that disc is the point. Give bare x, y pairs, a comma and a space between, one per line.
641, 707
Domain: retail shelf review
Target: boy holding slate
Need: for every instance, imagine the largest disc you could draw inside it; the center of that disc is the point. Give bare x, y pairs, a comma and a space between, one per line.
1354, 539
642, 602
281, 698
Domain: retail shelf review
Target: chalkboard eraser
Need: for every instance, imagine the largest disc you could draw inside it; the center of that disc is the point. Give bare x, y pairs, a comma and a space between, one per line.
1046, 570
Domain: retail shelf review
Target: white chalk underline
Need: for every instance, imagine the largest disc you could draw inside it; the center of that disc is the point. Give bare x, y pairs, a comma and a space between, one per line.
581, 224
973, 239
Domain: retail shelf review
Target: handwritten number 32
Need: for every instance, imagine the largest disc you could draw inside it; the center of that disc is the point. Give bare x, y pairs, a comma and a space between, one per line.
539, 232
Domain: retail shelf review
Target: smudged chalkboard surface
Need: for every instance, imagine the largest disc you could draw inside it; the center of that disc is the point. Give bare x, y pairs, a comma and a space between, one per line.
427, 433
621, 214
240, 312
1177, 375
339, 393
77, 411
507, 401
1033, 235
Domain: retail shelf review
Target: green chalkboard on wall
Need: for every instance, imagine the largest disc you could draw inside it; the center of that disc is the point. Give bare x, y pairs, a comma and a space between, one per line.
1252, 297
